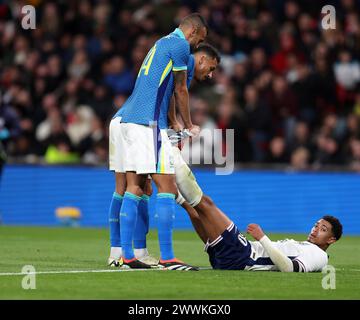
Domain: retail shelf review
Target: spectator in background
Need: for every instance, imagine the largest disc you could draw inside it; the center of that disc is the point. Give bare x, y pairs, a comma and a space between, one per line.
60, 153
51, 133
347, 71
102, 103
9, 129
228, 60
328, 151
79, 124
259, 119
88, 52
94, 136
333, 126
118, 77
230, 116
328, 142
283, 105
356, 107
304, 88
300, 159
324, 85
352, 127
239, 79
291, 11
98, 154
257, 62
263, 82
51, 22
79, 66
347, 74
279, 61
354, 154
301, 138
277, 151
70, 97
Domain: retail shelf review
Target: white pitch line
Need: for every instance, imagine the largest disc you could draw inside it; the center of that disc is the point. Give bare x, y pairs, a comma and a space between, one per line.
107, 271
343, 269
357, 270
72, 271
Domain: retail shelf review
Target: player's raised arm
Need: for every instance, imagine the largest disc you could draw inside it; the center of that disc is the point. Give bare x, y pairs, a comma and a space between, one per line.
284, 263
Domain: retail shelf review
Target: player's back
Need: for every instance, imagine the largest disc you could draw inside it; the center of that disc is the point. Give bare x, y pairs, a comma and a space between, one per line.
145, 103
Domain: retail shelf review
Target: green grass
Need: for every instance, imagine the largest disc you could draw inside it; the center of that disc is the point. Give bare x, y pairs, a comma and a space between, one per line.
87, 249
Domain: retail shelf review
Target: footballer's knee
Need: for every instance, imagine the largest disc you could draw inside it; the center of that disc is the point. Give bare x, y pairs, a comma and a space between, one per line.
120, 191
134, 189
166, 184
171, 187
191, 212
135, 183
205, 205
207, 201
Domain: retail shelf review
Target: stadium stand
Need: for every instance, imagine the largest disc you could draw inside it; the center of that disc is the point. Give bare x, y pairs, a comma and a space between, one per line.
290, 89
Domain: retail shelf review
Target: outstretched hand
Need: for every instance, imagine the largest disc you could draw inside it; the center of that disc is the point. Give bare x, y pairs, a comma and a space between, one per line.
194, 130
255, 231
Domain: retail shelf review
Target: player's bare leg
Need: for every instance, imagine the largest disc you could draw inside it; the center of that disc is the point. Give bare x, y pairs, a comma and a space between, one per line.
135, 183
120, 183
213, 219
165, 183
208, 220
196, 222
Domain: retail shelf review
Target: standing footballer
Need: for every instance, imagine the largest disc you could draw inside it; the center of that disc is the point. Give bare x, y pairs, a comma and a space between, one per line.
141, 146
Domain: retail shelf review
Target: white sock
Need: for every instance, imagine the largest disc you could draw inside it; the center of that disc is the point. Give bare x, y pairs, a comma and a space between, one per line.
115, 252
139, 253
180, 199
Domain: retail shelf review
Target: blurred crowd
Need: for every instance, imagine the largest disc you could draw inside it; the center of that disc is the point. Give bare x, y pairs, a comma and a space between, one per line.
288, 88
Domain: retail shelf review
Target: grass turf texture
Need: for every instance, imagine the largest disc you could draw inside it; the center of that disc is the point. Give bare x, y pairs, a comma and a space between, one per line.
57, 249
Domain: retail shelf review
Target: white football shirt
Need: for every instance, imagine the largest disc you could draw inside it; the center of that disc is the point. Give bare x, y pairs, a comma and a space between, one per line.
310, 256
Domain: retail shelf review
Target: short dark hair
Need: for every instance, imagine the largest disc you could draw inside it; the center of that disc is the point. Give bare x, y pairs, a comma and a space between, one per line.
337, 228
209, 50
195, 19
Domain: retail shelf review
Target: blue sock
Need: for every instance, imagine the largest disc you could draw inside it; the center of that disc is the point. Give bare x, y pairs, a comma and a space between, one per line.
114, 221
128, 215
165, 215
142, 223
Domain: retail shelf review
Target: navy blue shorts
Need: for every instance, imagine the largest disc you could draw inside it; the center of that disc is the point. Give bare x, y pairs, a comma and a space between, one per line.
230, 251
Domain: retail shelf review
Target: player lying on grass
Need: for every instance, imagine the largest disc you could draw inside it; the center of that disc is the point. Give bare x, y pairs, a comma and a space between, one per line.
228, 249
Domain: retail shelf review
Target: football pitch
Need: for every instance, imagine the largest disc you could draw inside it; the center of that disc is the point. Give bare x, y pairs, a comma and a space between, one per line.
71, 264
